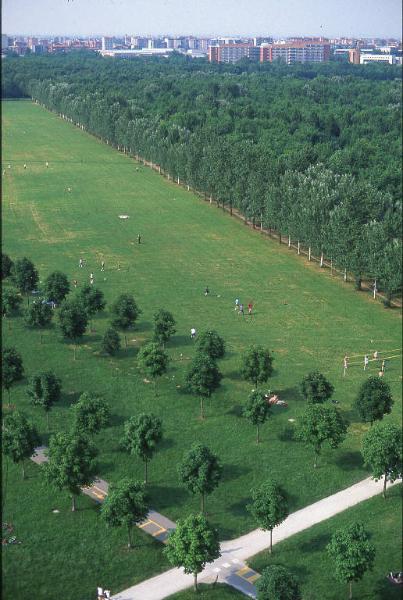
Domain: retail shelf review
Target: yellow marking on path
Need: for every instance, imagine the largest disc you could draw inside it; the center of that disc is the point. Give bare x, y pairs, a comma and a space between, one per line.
162, 530
253, 578
144, 524
242, 571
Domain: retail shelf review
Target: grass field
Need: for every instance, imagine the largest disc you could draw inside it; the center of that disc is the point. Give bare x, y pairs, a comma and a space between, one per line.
305, 317
209, 592
304, 554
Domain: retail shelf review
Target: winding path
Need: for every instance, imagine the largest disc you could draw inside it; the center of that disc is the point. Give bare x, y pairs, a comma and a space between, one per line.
230, 567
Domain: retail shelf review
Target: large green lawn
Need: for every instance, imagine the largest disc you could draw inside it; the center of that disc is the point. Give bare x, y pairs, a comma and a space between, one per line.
304, 316
305, 555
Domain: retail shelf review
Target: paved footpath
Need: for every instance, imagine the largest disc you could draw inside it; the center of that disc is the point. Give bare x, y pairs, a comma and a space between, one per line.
230, 566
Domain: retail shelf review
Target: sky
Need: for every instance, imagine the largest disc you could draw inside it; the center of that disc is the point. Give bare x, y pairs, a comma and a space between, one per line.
330, 18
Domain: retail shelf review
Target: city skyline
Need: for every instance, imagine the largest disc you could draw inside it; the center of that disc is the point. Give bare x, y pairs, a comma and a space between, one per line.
363, 19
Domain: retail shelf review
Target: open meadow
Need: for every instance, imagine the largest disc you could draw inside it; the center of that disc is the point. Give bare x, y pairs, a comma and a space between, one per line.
305, 317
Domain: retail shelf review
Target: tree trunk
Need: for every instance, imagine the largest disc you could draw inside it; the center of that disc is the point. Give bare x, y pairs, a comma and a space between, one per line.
357, 282
309, 253
350, 585
279, 238
155, 389
145, 471
201, 408
8, 394
195, 582
298, 248
331, 266
73, 505
47, 419
125, 340
321, 260
129, 536
345, 275
271, 541
257, 434
315, 464
289, 241
74, 351
384, 485
202, 503
23, 470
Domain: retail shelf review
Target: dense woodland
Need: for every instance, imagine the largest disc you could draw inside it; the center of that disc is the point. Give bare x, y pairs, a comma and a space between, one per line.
311, 151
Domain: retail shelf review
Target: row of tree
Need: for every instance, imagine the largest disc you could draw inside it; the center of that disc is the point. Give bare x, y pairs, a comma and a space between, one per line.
314, 160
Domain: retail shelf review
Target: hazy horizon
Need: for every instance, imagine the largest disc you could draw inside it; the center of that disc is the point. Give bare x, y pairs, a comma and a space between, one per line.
206, 18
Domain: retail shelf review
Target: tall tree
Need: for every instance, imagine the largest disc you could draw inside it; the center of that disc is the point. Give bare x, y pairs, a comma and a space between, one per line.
352, 553
153, 361
38, 316
12, 368
200, 471
203, 378
256, 410
20, 438
374, 400
92, 300
315, 388
277, 583
10, 302
71, 463
6, 265
269, 507
126, 505
125, 312
382, 451
110, 342
164, 326
73, 320
320, 424
25, 276
212, 344
56, 286
45, 390
192, 545
142, 436
257, 365
91, 414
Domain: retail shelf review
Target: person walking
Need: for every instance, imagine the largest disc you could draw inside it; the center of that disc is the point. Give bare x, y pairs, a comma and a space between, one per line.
91, 278
236, 304
193, 333
81, 263
206, 291
103, 265
241, 312
345, 365
139, 239
250, 306
366, 361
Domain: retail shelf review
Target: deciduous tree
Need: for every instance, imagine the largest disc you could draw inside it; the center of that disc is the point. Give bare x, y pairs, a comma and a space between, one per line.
12, 368
91, 414
153, 361
6, 265
212, 344
374, 400
73, 320
352, 553
269, 507
71, 463
256, 410
316, 388
126, 505
257, 365
164, 326
56, 286
192, 545
203, 378
110, 342
38, 316
20, 438
200, 471
277, 583
45, 390
25, 276
142, 436
320, 424
125, 311
382, 451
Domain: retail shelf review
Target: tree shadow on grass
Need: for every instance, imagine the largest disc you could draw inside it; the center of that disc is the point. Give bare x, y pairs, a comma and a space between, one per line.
235, 410
290, 394
166, 444
129, 352
163, 496
385, 590
239, 509
140, 327
287, 434
349, 461
235, 375
116, 420
69, 398
317, 543
180, 340
234, 471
